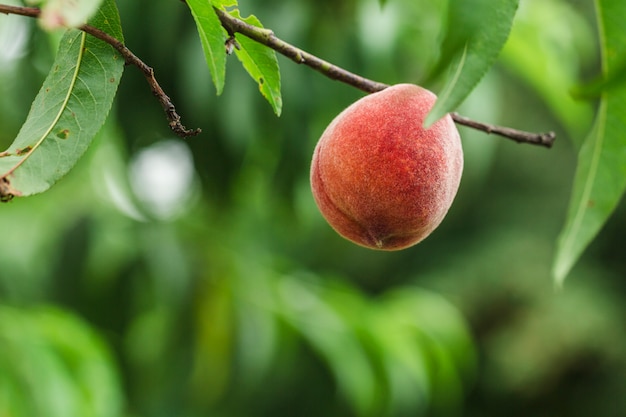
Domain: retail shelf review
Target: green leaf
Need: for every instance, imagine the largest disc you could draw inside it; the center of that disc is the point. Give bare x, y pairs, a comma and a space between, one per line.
477, 31
426, 348
331, 335
403, 360
261, 63
212, 38
86, 358
68, 111
600, 178
54, 365
33, 375
222, 4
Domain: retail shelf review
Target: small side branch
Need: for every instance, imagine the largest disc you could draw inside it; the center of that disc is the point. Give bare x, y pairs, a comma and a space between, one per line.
267, 38
543, 139
168, 107
166, 103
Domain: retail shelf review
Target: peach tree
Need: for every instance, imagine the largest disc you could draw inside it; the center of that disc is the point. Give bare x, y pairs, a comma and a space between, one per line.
75, 98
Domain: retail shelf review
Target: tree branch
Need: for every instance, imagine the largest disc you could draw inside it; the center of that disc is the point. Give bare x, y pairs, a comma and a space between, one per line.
130, 58
267, 38
543, 139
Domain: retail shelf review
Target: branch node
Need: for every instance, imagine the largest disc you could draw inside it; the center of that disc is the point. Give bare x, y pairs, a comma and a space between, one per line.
231, 44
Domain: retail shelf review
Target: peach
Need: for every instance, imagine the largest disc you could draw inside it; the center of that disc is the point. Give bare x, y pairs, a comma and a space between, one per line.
379, 177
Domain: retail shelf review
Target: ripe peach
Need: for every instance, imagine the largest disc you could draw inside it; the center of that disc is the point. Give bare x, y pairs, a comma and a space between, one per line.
378, 177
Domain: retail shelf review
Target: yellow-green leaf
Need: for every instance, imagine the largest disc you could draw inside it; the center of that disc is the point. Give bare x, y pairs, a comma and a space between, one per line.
212, 38
261, 63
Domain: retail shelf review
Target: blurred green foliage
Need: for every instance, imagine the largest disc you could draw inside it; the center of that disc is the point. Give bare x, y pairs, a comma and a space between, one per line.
190, 278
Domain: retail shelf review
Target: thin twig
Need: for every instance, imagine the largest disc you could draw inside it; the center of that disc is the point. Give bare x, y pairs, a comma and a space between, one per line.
267, 38
168, 107
519, 136
19, 10
132, 59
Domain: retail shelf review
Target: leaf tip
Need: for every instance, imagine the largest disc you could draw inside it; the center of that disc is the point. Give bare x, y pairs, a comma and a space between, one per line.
561, 268
559, 273
435, 114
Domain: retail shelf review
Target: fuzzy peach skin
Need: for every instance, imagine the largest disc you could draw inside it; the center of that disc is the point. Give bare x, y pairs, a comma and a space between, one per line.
378, 177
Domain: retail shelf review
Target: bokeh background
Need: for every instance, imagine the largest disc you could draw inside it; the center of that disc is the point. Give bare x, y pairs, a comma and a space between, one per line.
169, 277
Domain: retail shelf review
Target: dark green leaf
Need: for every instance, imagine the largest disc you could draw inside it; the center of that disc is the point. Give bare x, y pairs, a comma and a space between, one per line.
54, 365
212, 37
68, 111
86, 358
261, 63
329, 333
600, 178
477, 31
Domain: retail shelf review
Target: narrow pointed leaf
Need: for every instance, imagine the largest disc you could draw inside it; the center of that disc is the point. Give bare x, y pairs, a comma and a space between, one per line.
600, 178
212, 38
261, 63
477, 31
68, 111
